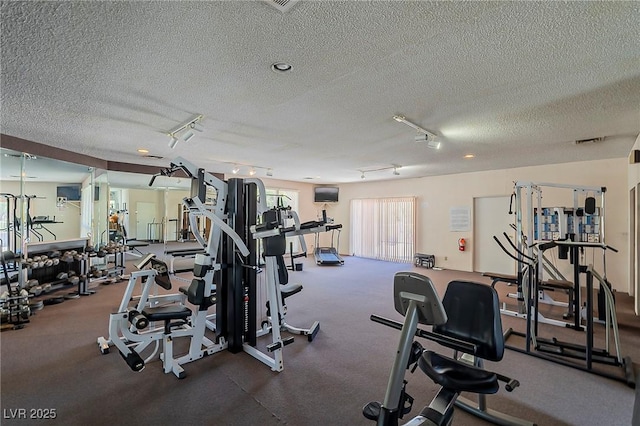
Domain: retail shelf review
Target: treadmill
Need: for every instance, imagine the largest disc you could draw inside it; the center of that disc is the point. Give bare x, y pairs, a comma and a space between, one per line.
328, 255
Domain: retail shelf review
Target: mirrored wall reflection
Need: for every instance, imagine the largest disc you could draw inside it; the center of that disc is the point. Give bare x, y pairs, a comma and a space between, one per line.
64, 201
41, 199
141, 214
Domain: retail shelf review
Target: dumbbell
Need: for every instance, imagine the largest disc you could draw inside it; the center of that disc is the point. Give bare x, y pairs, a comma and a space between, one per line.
35, 290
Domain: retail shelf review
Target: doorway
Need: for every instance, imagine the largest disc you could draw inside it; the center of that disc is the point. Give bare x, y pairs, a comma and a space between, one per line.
491, 217
145, 218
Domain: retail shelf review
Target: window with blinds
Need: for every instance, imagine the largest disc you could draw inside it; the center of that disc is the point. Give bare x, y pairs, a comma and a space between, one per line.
383, 228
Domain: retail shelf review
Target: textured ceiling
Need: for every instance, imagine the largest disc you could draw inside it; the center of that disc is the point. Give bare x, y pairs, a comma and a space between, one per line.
515, 83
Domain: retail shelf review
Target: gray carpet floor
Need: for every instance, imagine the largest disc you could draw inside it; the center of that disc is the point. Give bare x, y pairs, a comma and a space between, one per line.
54, 363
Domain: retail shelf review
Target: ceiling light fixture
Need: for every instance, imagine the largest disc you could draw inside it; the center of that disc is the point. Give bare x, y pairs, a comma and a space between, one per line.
188, 136
173, 142
143, 151
281, 67
251, 170
469, 156
393, 167
194, 123
434, 144
423, 136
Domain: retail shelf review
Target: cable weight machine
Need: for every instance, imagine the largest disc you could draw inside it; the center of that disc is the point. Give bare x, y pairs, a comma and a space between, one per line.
572, 230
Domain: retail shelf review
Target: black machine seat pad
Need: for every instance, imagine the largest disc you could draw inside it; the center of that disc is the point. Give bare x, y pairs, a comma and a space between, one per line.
456, 375
164, 313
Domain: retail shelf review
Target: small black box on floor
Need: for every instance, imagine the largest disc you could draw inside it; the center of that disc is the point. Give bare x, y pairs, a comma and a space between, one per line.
298, 266
425, 260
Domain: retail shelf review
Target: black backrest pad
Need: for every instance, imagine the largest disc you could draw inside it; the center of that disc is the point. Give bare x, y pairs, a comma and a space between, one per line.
474, 316
195, 294
275, 246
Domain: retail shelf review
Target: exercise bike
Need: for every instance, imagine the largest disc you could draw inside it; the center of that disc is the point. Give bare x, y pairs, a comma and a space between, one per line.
467, 320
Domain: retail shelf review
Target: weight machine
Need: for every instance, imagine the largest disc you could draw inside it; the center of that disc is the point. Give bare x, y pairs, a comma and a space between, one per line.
273, 232
225, 277
571, 230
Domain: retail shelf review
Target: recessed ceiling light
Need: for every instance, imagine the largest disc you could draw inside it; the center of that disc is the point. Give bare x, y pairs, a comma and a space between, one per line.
469, 156
281, 67
143, 151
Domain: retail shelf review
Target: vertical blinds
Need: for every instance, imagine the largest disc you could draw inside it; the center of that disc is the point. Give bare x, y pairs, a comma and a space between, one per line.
383, 228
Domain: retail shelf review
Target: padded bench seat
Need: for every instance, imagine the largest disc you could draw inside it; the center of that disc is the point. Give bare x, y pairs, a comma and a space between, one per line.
167, 313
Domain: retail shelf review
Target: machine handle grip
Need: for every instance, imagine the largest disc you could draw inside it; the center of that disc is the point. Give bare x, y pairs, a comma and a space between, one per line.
511, 385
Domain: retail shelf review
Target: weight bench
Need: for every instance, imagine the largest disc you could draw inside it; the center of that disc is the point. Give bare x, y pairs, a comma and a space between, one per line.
550, 285
134, 245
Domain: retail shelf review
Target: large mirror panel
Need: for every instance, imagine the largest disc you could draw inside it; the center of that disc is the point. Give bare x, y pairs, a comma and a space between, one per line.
42, 199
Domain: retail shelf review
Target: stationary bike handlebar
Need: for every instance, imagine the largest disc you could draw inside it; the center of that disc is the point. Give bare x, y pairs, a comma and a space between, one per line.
441, 339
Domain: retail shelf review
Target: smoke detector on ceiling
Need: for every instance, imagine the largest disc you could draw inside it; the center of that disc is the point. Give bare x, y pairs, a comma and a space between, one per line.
590, 140
282, 5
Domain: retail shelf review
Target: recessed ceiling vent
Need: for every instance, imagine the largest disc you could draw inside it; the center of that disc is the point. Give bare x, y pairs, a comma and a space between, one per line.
157, 157
591, 140
282, 5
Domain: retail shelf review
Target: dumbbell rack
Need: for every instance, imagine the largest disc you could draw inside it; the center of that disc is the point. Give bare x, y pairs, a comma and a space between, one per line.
112, 268
48, 273
14, 303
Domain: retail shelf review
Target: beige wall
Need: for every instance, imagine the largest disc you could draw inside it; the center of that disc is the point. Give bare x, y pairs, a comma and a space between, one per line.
436, 195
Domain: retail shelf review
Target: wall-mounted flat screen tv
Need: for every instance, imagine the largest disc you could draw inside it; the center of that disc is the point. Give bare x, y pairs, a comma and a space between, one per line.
325, 194
70, 192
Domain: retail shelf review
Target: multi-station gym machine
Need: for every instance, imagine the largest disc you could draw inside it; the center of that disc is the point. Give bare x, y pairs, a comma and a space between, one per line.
577, 232
225, 276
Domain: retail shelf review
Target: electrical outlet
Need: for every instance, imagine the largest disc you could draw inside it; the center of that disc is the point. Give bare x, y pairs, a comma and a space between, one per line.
446, 258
